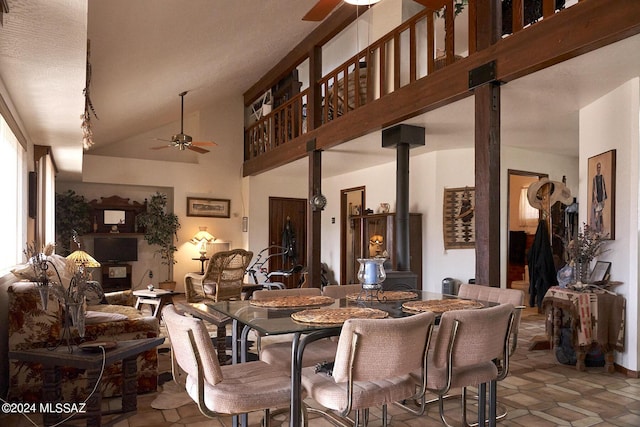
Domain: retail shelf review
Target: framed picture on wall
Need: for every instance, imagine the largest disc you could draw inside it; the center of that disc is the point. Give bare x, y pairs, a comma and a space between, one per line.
459, 225
601, 194
216, 208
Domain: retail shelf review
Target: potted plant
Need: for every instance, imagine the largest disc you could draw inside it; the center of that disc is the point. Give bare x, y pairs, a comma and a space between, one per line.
160, 227
72, 214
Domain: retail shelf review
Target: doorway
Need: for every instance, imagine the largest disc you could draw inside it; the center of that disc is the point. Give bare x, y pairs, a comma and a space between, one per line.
522, 221
352, 201
288, 227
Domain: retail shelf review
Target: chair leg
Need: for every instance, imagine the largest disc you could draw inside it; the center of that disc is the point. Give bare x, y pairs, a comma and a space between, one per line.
493, 401
384, 415
482, 404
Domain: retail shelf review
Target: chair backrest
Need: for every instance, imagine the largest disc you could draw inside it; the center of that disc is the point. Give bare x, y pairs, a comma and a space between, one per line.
191, 344
367, 346
472, 337
230, 267
514, 297
266, 294
341, 291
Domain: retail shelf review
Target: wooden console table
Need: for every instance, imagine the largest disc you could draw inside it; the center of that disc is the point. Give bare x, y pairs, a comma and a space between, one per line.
52, 360
596, 317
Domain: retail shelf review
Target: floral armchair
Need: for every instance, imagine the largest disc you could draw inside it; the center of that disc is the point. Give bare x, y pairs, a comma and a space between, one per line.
29, 326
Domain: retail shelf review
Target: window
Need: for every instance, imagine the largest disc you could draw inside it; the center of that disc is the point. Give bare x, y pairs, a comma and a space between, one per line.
528, 214
13, 166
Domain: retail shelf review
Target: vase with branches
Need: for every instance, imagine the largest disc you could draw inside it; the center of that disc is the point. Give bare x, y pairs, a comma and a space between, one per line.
582, 250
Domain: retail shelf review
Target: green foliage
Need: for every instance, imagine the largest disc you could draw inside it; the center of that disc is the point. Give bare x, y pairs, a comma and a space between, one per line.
458, 7
72, 213
160, 227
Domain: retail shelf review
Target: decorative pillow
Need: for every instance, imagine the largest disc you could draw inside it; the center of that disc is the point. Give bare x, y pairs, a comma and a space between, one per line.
92, 317
94, 294
24, 272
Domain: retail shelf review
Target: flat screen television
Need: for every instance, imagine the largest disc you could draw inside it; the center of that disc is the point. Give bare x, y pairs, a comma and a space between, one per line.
115, 249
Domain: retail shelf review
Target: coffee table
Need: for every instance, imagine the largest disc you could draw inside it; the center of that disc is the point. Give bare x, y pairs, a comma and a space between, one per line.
53, 360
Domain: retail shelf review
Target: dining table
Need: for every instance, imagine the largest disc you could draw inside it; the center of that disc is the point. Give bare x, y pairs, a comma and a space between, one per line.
269, 321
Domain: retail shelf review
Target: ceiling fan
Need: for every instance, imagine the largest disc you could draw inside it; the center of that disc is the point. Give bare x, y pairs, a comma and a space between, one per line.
324, 7
182, 140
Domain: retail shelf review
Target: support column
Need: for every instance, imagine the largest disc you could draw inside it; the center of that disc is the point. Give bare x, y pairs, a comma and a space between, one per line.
487, 182
314, 216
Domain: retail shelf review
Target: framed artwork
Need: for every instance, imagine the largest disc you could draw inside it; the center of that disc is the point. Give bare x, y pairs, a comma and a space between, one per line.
600, 272
601, 194
459, 225
216, 208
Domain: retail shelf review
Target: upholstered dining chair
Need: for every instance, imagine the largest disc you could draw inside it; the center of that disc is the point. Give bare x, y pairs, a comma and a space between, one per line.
222, 279
501, 296
229, 389
341, 291
278, 353
467, 344
373, 365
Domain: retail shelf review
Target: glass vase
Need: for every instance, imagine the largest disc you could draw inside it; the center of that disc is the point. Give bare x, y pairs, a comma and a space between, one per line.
43, 290
371, 272
581, 272
76, 310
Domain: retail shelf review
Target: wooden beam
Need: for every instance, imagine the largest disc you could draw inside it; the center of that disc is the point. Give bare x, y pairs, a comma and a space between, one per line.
314, 224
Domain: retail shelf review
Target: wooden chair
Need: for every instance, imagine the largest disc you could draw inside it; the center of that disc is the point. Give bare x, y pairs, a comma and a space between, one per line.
229, 389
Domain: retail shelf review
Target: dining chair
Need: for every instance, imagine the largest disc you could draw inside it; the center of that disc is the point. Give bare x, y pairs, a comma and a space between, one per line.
466, 346
501, 296
229, 389
278, 353
373, 365
516, 297
341, 291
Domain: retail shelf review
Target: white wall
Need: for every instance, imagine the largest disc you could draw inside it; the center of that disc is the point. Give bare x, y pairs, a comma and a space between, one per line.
611, 122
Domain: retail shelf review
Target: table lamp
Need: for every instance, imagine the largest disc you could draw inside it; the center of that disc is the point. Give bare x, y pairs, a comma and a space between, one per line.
202, 238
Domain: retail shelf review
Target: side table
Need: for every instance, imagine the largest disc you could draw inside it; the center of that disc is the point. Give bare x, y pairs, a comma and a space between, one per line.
596, 317
158, 298
52, 360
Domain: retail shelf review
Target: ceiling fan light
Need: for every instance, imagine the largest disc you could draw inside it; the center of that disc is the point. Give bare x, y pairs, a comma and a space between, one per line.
362, 2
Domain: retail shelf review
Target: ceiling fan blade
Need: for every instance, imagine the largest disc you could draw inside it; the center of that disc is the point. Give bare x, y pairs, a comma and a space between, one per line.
197, 149
321, 10
205, 144
161, 147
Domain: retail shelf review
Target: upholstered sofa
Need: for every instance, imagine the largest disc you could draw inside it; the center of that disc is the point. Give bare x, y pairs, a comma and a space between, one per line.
29, 326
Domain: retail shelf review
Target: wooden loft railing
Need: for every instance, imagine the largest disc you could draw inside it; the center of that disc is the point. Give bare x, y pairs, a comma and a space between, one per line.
399, 58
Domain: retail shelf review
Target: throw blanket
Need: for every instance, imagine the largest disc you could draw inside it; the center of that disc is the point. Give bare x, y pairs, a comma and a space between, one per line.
598, 317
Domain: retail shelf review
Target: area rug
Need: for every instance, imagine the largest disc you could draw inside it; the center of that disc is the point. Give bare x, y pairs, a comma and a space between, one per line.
172, 396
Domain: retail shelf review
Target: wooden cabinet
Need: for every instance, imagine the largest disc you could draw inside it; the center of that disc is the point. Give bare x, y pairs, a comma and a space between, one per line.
116, 277
376, 233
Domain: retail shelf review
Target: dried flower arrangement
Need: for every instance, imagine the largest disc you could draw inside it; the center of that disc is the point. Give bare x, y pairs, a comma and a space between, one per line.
585, 246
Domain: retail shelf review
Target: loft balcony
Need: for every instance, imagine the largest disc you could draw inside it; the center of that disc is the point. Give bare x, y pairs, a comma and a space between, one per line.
421, 64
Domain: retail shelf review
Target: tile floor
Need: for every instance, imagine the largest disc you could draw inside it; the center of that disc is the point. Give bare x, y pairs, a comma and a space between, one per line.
538, 392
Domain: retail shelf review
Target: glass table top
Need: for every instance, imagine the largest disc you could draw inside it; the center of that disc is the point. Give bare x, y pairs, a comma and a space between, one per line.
275, 321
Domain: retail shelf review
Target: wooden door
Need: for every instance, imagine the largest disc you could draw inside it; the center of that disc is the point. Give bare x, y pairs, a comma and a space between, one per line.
292, 212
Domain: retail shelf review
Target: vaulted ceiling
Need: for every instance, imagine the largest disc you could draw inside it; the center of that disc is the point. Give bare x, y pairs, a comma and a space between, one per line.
145, 52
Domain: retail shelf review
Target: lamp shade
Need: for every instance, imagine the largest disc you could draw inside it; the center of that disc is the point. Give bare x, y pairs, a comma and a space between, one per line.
202, 235
80, 257
201, 238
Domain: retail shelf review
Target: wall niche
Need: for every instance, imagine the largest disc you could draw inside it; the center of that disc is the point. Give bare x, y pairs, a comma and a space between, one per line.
115, 215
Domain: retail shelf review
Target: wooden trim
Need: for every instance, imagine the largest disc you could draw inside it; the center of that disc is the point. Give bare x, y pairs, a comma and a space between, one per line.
5, 112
